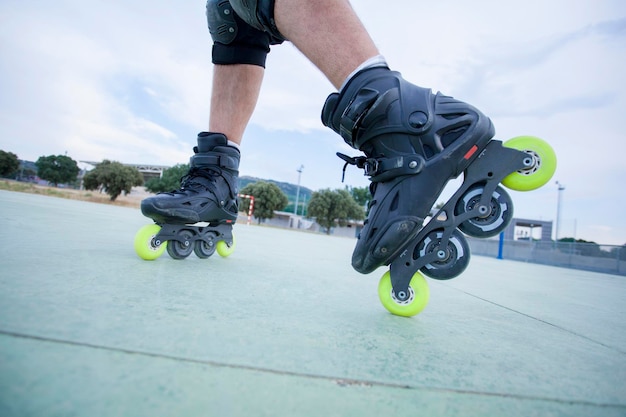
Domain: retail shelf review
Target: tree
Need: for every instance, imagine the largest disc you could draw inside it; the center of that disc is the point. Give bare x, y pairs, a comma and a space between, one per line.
334, 207
267, 198
9, 163
583, 247
57, 169
362, 196
170, 180
113, 177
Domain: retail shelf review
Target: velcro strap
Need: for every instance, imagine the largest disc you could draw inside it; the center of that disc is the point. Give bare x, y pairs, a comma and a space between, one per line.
214, 159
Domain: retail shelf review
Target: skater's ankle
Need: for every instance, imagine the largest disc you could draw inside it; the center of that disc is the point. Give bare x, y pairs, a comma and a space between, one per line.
373, 62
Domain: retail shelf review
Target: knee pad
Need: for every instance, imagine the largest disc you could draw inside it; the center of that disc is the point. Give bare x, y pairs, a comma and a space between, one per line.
234, 40
260, 15
221, 20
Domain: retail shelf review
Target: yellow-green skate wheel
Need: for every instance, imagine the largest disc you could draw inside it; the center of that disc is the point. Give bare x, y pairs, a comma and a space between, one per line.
224, 249
541, 167
418, 296
144, 242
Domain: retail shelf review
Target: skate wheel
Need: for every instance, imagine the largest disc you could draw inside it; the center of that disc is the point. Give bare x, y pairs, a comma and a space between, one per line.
145, 245
418, 296
541, 164
224, 249
180, 250
452, 259
203, 250
492, 219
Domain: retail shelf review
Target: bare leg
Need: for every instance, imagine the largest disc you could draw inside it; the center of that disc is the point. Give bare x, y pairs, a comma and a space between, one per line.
328, 32
208, 192
335, 27
233, 98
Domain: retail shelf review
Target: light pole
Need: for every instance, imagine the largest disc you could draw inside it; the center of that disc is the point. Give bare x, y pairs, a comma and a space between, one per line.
560, 187
298, 189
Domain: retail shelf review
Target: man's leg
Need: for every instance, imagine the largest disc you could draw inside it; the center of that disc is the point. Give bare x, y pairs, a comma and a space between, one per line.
328, 32
208, 193
233, 98
414, 141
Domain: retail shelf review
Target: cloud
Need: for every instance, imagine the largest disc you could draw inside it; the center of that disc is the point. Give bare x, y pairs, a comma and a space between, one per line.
549, 75
64, 82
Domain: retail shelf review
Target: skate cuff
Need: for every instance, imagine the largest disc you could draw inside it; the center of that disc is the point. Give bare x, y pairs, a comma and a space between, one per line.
384, 169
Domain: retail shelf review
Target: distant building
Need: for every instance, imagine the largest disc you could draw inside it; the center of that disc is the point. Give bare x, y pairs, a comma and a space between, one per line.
148, 171
526, 229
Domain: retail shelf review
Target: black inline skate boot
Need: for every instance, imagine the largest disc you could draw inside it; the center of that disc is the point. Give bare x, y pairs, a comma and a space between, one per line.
414, 142
208, 194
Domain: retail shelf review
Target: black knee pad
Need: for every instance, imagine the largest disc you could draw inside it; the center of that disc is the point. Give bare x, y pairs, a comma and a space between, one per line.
260, 15
234, 40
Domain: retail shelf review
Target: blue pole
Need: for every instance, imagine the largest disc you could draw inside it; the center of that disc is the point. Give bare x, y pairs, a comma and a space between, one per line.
501, 245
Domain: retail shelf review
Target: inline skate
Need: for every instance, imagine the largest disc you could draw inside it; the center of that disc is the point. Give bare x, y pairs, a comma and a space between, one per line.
414, 143
199, 216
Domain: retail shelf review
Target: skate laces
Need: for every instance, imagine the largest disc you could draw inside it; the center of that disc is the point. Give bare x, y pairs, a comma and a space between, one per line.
198, 180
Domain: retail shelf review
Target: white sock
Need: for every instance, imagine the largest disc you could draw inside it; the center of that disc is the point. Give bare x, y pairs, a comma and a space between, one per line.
375, 61
233, 144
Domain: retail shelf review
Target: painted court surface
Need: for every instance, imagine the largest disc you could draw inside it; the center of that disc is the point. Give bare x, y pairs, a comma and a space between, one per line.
285, 327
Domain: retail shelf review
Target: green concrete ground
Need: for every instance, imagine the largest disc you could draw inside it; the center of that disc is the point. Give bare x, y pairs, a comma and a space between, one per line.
285, 327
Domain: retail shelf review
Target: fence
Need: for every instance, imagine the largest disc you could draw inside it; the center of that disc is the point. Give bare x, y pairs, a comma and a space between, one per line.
585, 256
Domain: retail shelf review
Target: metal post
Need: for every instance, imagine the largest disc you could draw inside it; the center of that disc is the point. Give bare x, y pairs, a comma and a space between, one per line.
560, 187
298, 189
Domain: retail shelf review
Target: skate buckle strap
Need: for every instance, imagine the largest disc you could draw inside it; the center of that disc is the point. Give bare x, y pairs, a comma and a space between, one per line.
383, 169
214, 159
351, 118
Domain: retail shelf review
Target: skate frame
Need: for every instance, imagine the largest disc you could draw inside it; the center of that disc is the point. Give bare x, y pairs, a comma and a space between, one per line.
489, 168
209, 234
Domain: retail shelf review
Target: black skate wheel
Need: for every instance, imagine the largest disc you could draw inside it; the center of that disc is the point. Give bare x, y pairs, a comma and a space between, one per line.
203, 249
492, 219
183, 248
452, 258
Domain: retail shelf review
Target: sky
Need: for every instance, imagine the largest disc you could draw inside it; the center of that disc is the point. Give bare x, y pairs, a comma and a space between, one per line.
130, 80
